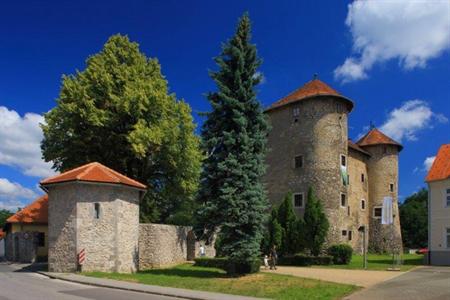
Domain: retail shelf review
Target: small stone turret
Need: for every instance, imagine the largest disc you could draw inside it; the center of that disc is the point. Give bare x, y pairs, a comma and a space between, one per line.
383, 182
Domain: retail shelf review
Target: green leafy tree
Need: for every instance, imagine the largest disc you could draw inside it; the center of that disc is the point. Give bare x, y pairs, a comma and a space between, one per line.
275, 231
287, 220
118, 111
4, 215
234, 136
414, 220
299, 236
316, 224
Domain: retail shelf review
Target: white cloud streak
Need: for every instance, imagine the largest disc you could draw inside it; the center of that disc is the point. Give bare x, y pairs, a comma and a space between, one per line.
412, 32
428, 162
20, 143
410, 118
13, 195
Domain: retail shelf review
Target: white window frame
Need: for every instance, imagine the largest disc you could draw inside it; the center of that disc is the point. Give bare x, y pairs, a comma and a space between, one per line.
303, 200
365, 204
296, 112
346, 200
373, 212
303, 161
446, 197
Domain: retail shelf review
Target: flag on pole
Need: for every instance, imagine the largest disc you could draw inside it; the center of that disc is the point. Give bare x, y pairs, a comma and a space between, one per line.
387, 211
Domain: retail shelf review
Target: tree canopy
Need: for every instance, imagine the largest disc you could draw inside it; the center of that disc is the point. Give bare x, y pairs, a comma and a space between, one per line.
4, 215
414, 220
231, 194
316, 223
118, 111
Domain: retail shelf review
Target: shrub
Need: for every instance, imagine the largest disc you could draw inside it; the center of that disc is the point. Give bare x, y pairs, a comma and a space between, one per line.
305, 260
341, 253
231, 267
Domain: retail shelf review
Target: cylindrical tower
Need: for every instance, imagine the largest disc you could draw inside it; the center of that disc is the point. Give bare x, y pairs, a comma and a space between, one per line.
307, 146
383, 182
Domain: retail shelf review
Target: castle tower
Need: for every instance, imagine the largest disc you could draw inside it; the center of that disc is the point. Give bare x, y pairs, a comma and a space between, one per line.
95, 211
383, 182
307, 147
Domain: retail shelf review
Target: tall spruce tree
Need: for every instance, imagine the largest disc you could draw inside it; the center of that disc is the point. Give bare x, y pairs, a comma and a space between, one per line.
316, 224
118, 111
234, 137
287, 219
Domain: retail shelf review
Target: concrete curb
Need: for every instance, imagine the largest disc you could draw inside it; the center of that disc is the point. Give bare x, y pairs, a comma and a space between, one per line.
144, 288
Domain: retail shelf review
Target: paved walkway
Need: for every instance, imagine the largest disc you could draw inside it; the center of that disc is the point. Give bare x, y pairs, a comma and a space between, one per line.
426, 283
144, 288
356, 277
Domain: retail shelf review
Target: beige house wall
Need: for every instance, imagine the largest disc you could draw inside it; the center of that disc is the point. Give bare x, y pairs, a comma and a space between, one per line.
23, 227
439, 221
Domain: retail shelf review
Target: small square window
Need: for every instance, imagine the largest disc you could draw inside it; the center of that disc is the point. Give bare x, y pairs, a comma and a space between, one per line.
391, 187
296, 112
343, 160
41, 239
344, 232
298, 200
96, 210
377, 212
447, 198
343, 200
362, 178
298, 161
349, 235
363, 204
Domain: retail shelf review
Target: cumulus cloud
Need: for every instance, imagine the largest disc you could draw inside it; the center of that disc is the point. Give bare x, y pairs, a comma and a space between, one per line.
412, 32
428, 162
13, 195
410, 118
20, 143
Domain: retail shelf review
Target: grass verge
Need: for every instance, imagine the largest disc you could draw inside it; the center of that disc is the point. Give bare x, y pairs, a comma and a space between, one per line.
264, 285
379, 262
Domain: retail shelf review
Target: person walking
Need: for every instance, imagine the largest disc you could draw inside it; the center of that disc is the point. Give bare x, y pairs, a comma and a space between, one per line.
274, 258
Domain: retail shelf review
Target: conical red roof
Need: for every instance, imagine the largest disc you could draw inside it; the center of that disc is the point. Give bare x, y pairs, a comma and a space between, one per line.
440, 169
93, 172
312, 88
376, 137
36, 212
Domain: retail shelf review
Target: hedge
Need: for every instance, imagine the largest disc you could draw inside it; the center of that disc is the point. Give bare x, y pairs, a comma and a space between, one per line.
305, 260
231, 267
341, 253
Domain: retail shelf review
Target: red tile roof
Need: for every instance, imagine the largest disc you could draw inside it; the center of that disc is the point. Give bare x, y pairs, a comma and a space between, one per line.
376, 137
355, 147
312, 88
36, 212
93, 172
441, 166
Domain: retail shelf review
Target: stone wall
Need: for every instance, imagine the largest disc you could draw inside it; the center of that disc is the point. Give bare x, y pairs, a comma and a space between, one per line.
383, 171
110, 241
164, 245
22, 246
320, 135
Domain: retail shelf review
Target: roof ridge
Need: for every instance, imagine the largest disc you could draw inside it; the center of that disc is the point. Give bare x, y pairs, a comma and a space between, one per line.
87, 170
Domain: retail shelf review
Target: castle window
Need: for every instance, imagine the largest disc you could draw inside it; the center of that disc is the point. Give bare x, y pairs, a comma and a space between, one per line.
377, 212
391, 187
447, 198
343, 200
96, 210
343, 160
41, 239
362, 177
349, 235
295, 112
298, 200
363, 204
348, 210
344, 232
298, 161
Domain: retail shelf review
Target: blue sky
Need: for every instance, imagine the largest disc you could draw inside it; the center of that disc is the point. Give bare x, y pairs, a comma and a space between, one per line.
391, 58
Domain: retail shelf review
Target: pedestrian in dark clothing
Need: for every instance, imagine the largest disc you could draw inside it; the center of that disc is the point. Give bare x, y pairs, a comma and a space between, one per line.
273, 258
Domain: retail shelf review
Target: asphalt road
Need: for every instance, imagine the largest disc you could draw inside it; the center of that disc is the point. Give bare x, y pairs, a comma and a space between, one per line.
23, 285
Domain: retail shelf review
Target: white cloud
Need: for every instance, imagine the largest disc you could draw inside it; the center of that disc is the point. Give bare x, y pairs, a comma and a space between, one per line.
428, 162
411, 31
410, 118
13, 195
20, 143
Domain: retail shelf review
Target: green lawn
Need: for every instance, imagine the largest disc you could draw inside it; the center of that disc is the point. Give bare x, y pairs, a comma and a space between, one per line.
265, 285
380, 262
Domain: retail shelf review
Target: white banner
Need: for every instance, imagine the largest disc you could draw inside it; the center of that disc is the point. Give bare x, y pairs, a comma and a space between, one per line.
387, 213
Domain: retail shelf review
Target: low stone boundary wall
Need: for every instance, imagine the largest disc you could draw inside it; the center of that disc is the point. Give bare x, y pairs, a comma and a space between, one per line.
21, 246
164, 245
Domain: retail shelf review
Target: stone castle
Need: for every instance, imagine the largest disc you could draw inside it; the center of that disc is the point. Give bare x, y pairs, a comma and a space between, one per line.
309, 147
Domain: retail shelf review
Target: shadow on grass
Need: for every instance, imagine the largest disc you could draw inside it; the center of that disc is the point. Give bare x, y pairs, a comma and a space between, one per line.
186, 273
